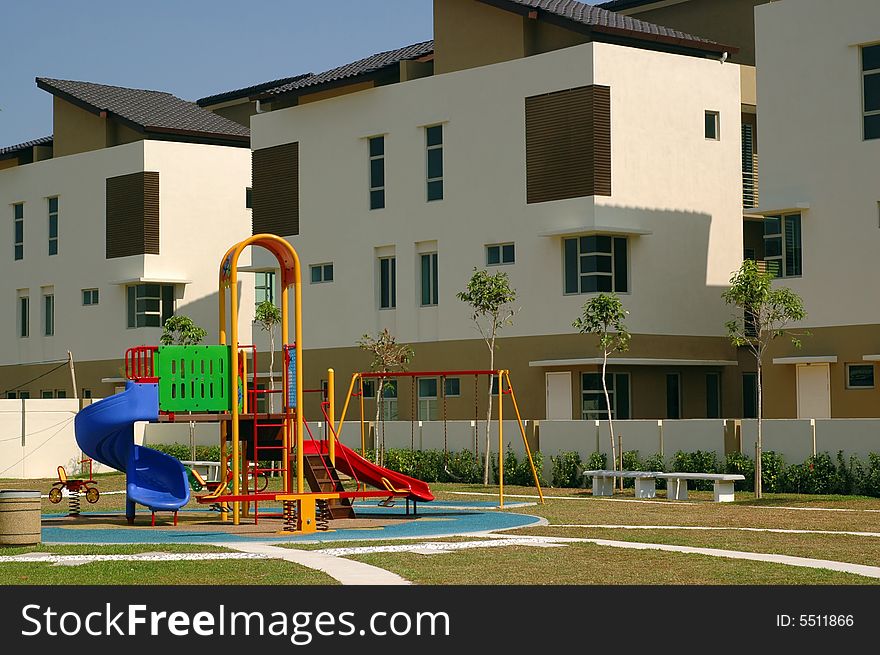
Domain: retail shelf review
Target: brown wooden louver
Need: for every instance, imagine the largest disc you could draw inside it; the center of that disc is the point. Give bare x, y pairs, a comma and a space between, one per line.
132, 215
275, 183
568, 144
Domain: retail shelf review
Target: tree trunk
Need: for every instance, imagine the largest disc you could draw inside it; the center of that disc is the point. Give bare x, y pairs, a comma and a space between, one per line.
758, 473
489, 411
271, 404
378, 448
608, 407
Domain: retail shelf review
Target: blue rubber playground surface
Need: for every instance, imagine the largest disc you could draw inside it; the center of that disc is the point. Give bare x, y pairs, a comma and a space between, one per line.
437, 519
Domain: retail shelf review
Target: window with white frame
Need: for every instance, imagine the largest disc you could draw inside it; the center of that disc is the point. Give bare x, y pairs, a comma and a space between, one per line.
48, 314
264, 287
428, 409
429, 284
593, 404
387, 282
452, 387
89, 297
18, 230
377, 172
783, 252
24, 318
859, 376
500, 253
149, 305
713, 126
871, 91
389, 410
53, 226
595, 264
434, 145
321, 273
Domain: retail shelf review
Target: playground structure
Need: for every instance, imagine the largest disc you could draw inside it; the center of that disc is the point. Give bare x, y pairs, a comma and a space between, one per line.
74, 486
212, 383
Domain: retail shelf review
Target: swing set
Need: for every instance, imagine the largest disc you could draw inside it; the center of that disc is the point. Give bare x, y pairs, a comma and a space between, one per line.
504, 388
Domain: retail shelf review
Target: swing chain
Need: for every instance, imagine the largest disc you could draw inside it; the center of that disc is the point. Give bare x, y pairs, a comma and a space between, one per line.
445, 437
412, 418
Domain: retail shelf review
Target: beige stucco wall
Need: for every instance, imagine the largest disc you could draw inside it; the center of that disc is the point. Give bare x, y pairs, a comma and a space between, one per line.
76, 130
239, 112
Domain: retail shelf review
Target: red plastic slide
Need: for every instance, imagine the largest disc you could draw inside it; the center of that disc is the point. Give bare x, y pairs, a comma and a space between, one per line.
352, 464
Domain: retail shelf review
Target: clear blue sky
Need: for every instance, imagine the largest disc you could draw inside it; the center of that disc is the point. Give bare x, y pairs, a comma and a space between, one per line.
191, 48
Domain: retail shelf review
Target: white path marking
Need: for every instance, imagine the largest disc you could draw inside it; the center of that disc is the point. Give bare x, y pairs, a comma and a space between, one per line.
79, 560
671, 503
707, 527
436, 547
346, 571
805, 562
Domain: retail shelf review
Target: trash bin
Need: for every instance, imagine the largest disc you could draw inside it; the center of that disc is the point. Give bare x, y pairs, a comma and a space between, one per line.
19, 517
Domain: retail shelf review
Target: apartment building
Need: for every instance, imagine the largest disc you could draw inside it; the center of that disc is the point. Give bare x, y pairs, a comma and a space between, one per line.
116, 222
820, 198
571, 147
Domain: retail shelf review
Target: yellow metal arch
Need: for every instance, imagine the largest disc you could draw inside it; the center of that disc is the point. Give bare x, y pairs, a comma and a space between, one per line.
291, 275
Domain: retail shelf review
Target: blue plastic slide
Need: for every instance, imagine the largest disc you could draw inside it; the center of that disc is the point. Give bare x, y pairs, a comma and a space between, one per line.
105, 432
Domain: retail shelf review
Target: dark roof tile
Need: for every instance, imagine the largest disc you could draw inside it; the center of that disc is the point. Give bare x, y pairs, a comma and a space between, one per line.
19, 147
248, 90
149, 111
364, 66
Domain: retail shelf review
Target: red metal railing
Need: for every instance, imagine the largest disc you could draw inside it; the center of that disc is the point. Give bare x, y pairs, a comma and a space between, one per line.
140, 363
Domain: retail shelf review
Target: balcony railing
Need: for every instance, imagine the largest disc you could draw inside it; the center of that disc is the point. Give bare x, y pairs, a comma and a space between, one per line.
750, 182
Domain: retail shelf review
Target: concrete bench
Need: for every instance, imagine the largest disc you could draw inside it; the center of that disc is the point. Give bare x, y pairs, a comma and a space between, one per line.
603, 482
646, 483
676, 484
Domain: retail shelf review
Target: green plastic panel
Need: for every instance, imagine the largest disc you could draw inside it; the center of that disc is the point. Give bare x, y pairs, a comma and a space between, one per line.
193, 378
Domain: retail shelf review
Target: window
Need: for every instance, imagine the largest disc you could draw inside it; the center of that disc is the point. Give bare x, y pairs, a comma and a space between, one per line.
452, 388
24, 319
53, 226
871, 90
150, 305
86, 393
90, 296
673, 395
321, 273
389, 401
502, 253
428, 409
18, 230
713, 395
750, 395
262, 399
782, 245
49, 314
377, 172
387, 282
713, 125
249, 198
593, 398
47, 393
24, 395
60, 393
434, 141
264, 287
859, 376
596, 263
429, 279
10, 395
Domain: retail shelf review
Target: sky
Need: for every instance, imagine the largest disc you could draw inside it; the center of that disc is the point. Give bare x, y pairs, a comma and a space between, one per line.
191, 48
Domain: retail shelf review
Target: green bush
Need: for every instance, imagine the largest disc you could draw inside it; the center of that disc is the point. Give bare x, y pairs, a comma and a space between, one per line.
631, 462
656, 462
518, 471
597, 462
699, 461
737, 463
567, 469
773, 472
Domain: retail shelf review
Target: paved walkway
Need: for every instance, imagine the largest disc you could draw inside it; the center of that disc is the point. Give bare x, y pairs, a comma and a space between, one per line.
78, 560
346, 571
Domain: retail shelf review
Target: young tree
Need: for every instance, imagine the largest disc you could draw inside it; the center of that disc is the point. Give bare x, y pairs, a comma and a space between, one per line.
604, 316
489, 297
269, 317
388, 356
766, 313
182, 331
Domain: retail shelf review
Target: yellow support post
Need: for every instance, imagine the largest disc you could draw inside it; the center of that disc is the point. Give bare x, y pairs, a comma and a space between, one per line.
363, 438
331, 399
500, 443
525, 440
341, 423
224, 465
